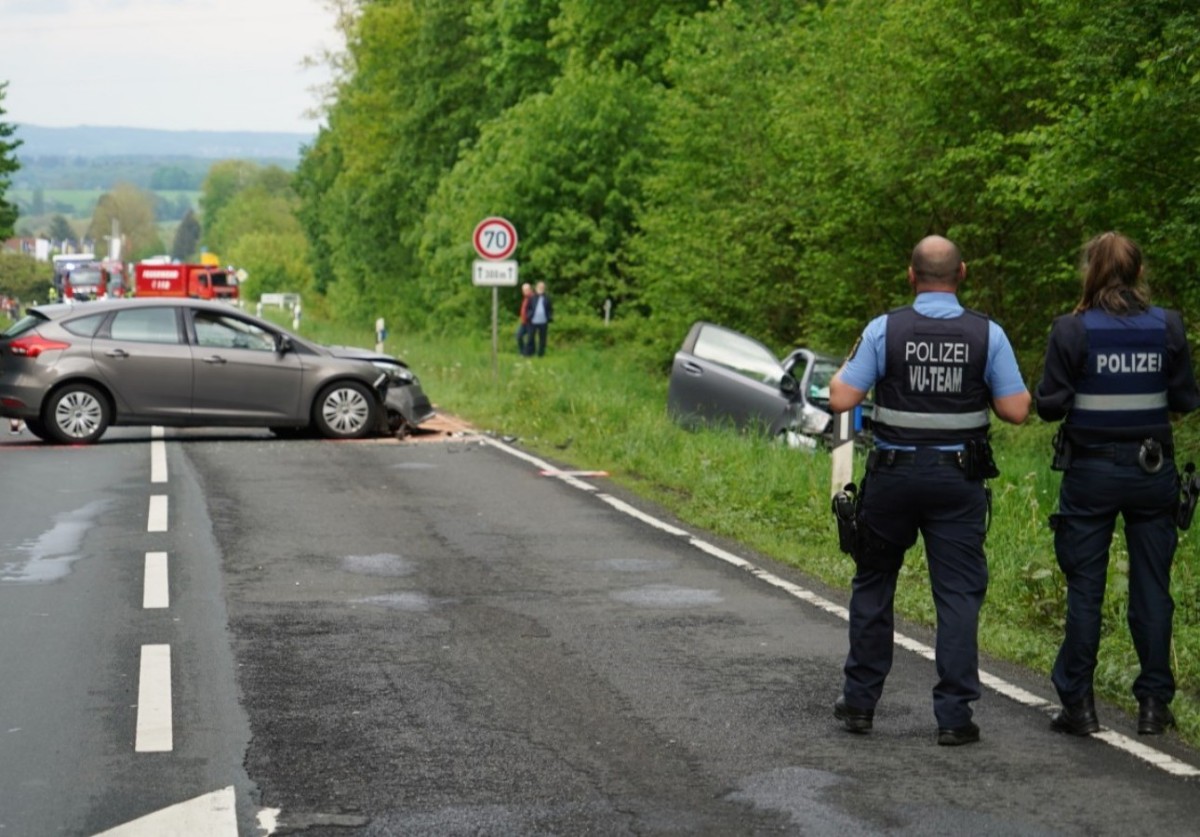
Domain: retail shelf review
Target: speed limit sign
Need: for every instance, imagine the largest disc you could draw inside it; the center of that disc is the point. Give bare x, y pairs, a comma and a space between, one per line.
495, 238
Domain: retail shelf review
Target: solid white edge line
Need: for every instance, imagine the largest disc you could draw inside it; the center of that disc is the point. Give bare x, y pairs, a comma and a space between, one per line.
211, 815
155, 590
540, 464
154, 734
156, 519
1148, 754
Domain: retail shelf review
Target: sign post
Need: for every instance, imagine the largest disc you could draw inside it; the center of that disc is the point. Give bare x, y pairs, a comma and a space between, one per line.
495, 239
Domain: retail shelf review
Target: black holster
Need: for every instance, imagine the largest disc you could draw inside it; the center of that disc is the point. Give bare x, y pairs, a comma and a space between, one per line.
1062, 450
845, 511
978, 462
1189, 493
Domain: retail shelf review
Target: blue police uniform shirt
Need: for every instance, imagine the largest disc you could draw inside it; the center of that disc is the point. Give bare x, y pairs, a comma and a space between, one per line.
867, 364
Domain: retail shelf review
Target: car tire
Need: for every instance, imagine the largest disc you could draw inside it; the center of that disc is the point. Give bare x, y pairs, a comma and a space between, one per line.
77, 414
37, 428
345, 410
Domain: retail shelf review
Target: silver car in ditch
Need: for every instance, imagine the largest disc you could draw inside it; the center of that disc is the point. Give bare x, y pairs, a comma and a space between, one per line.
720, 376
72, 371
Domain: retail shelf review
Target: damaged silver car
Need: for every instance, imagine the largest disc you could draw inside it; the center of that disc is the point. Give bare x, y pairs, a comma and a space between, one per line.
72, 371
720, 376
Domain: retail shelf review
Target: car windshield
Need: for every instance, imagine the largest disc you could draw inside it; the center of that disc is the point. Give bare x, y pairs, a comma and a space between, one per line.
86, 276
818, 384
27, 323
740, 353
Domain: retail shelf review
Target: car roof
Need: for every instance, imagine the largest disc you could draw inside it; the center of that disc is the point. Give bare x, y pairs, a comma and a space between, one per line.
58, 310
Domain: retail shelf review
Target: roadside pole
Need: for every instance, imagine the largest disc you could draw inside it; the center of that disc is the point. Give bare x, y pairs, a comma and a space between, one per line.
842, 454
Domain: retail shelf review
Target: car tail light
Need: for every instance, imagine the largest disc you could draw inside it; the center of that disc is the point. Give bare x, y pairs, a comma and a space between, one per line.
33, 345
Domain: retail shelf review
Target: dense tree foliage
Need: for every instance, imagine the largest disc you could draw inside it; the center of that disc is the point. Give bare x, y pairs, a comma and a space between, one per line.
8, 165
251, 221
768, 165
23, 277
186, 244
127, 211
61, 232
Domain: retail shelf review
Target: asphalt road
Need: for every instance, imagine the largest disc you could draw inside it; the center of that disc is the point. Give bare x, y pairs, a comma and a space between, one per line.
450, 638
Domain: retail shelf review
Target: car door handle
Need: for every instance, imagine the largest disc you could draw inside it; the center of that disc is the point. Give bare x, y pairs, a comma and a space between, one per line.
692, 368
214, 359
116, 353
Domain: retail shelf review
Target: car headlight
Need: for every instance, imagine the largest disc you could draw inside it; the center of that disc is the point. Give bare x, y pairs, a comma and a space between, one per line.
395, 372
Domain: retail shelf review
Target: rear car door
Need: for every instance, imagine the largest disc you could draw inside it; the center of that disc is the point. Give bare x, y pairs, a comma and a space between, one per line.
142, 357
239, 374
720, 376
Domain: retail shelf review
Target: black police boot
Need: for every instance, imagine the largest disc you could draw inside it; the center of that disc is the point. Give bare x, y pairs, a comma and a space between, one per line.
855, 720
1077, 718
1154, 716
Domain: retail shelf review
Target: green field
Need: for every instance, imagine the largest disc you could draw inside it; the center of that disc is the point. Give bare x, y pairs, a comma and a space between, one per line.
79, 204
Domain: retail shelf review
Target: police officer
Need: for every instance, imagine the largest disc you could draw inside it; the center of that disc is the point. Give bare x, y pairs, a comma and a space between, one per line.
936, 368
1114, 368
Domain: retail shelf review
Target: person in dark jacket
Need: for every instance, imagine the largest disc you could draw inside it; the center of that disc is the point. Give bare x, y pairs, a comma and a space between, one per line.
939, 370
541, 314
1115, 368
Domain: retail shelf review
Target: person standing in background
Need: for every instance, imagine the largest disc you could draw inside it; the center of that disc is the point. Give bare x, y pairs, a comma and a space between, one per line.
541, 314
1115, 368
524, 335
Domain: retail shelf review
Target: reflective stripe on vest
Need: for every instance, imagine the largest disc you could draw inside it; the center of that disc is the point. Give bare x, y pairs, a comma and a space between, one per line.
1112, 403
932, 421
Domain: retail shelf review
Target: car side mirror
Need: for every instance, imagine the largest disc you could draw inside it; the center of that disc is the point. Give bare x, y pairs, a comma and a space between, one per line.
283, 344
789, 386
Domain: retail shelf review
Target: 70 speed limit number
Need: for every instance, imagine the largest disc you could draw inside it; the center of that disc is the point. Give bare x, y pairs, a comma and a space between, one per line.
495, 238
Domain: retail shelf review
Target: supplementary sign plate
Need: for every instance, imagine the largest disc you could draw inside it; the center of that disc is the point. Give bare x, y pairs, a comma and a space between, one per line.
494, 274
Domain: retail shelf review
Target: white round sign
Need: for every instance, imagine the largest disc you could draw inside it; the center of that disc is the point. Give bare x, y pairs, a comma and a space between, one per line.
495, 238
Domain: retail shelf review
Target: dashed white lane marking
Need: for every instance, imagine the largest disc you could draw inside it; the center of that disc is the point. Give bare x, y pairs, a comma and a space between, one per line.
158, 456
156, 520
154, 586
1122, 742
154, 730
205, 816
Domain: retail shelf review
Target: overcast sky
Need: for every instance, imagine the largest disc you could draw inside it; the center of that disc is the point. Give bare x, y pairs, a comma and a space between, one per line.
228, 65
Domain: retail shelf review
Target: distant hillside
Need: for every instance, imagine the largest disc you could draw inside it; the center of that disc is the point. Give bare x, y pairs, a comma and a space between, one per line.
90, 141
88, 158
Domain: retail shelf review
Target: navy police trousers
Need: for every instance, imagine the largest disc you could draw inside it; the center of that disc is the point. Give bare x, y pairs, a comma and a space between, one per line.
930, 496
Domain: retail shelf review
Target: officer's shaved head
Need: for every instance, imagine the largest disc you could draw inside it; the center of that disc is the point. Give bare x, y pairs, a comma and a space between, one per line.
937, 261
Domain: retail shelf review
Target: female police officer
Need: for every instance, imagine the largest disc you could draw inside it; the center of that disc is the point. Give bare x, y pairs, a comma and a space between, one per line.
1114, 368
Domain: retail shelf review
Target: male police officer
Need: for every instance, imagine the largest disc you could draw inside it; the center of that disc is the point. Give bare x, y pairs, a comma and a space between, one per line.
936, 368
1115, 367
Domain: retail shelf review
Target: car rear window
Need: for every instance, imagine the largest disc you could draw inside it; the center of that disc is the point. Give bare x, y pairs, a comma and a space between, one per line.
84, 326
27, 323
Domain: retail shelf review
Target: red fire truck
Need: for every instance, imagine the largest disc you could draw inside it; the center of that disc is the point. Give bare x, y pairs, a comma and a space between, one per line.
201, 281
93, 280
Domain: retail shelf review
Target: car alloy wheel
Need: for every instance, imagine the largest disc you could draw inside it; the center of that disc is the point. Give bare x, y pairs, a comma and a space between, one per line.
77, 415
345, 411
